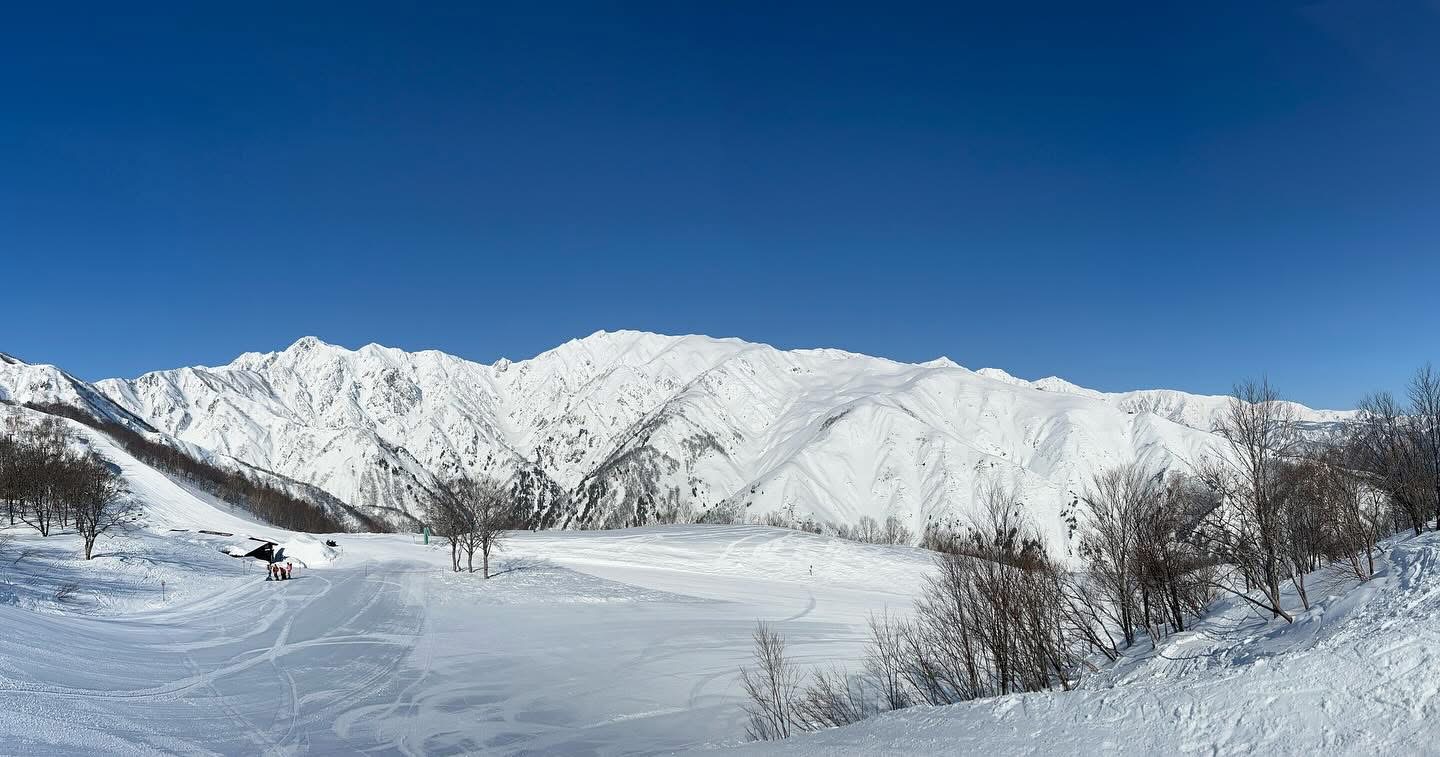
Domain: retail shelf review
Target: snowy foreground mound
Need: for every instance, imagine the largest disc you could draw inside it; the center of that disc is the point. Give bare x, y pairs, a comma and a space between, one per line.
1359, 674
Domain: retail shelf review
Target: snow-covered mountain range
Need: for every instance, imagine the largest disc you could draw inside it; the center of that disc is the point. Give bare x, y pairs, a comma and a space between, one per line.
47, 386
620, 428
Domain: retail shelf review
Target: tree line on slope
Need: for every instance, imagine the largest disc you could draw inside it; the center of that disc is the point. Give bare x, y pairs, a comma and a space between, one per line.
48, 481
866, 530
264, 501
1001, 614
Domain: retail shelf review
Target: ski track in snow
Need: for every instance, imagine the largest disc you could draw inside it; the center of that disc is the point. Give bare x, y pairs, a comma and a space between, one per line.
585, 643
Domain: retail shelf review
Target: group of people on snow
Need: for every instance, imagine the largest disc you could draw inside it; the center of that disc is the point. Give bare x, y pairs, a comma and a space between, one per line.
279, 572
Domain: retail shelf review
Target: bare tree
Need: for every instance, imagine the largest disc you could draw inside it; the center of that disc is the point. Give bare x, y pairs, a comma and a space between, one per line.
1307, 519
896, 531
1383, 444
1357, 517
773, 687
100, 502
1141, 570
868, 531
1117, 503
10, 460
1424, 391
45, 471
1171, 567
1247, 531
486, 511
445, 517
885, 661
991, 620
834, 698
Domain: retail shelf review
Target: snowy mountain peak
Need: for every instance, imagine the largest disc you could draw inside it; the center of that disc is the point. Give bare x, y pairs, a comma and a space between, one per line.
1057, 384
306, 343
627, 427
997, 374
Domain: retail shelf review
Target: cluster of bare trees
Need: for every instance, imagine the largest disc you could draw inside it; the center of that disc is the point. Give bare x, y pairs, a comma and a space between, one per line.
1248, 526
993, 619
870, 531
472, 515
1398, 448
1341, 518
783, 699
1141, 572
867, 530
47, 482
1278, 511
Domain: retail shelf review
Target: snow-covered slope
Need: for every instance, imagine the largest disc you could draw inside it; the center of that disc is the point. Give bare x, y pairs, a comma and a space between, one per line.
27, 383
1355, 675
617, 427
165, 501
44, 386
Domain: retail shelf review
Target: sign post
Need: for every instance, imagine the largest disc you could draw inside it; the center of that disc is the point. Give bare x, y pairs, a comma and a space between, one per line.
427, 534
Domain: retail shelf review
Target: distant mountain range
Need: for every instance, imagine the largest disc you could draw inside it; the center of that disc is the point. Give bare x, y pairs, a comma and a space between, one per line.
624, 428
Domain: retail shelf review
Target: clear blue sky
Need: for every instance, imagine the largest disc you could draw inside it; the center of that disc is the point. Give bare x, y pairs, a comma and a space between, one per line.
1123, 194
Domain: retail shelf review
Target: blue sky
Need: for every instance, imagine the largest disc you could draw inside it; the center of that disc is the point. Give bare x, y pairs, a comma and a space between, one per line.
1127, 195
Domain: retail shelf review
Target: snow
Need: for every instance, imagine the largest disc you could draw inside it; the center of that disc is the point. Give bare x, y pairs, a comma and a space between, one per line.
22, 382
604, 427
621, 642
601, 642
1354, 675
307, 550
629, 641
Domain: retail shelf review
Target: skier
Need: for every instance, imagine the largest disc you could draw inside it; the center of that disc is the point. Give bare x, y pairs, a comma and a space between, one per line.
288, 568
269, 572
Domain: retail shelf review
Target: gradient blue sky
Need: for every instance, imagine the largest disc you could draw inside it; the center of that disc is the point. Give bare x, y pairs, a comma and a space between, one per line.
1127, 195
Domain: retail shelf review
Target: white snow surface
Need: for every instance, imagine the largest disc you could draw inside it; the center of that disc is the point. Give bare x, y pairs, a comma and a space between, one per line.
584, 642
606, 429
593, 642
622, 642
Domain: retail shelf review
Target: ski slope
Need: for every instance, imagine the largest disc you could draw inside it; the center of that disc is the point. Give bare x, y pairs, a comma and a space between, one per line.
585, 642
